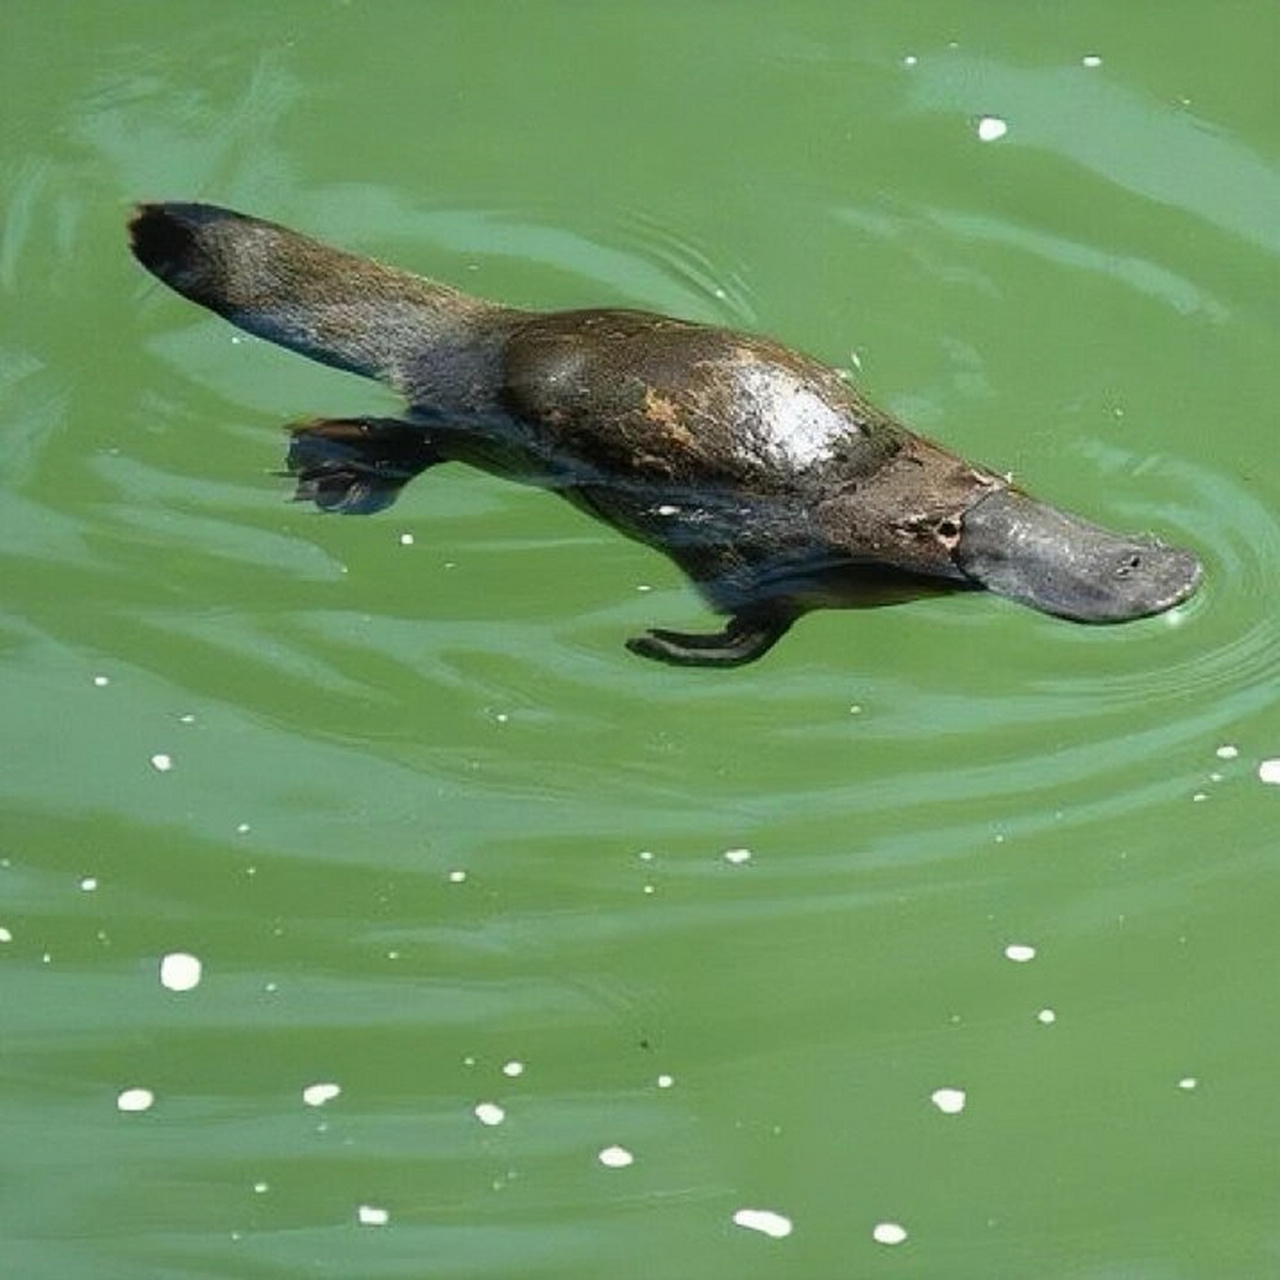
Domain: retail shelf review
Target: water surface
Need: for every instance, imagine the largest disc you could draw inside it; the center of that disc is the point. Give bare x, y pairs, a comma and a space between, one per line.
438, 840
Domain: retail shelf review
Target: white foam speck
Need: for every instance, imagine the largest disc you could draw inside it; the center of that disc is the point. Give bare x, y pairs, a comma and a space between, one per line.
1188, 1082
888, 1233
5, 935
646, 855
370, 1215
616, 1157
513, 1068
737, 856
666, 1081
162, 762
648, 888
457, 877
666, 509
243, 829
1091, 60
261, 1188
1047, 1017
1227, 752
102, 681
89, 883
316, 1095
950, 1101
1269, 771
406, 539
763, 1220
644, 586
991, 128
1199, 797
910, 60
135, 1100
187, 719
180, 971
490, 1113
1019, 952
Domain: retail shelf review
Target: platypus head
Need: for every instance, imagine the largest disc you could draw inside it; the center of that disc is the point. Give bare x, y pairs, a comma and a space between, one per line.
1057, 563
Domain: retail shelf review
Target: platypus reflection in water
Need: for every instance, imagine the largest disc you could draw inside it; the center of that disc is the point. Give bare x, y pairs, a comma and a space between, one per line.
762, 473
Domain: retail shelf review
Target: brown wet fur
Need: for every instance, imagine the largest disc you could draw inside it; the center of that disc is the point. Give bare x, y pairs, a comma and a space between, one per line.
768, 478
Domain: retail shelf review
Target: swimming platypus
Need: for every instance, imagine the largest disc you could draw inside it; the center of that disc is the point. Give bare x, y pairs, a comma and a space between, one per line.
762, 473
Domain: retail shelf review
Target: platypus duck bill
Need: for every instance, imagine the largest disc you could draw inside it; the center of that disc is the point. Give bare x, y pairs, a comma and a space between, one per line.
1060, 564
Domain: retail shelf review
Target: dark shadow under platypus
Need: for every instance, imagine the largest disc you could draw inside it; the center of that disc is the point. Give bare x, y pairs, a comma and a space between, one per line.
767, 478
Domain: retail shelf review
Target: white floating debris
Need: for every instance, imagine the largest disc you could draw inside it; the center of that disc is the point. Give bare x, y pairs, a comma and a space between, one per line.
180, 971
89, 883
1269, 771
1091, 60
1227, 752
1198, 797
162, 762
645, 855
406, 539
187, 719
1047, 1017
764, 1220
1188, 1082
5, 935
261, 1188
910, 60
135, 1100
737, 856
616, 1157
1019, 952
513, 1068
243, 829
102, 681
666, 1081
316, 1095
490, 1113
457, 877
950, 1101
666, 509
991, 128
370, 1215
888, 1233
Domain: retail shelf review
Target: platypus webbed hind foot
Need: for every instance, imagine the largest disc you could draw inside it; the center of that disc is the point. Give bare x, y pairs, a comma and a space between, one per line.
356, 465
746, 638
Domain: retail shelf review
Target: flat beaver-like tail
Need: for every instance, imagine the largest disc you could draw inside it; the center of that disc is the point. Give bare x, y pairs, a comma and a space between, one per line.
339, 308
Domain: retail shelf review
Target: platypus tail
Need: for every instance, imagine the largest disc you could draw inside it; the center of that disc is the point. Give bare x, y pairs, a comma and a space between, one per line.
339, 308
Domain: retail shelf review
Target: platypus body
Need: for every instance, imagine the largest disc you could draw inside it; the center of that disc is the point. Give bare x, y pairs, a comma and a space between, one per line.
762, 473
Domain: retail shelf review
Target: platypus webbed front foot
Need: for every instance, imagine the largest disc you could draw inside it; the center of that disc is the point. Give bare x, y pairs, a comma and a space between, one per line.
744, 639
356, 465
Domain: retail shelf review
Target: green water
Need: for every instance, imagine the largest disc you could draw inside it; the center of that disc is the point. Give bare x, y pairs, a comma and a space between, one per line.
425, 817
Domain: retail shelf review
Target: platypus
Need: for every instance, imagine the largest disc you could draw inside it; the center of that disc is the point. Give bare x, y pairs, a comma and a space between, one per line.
764, 474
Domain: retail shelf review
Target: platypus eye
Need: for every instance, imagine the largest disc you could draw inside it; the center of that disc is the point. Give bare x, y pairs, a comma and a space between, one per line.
1126, 567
